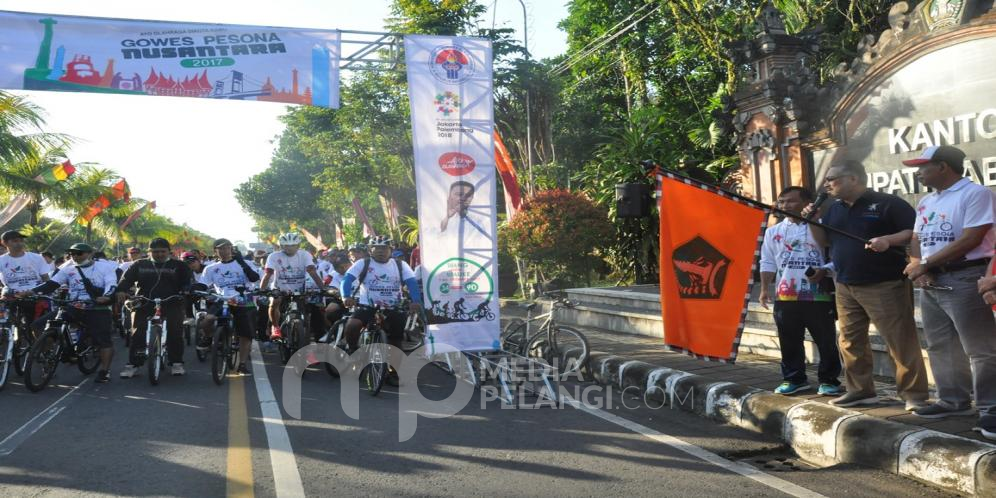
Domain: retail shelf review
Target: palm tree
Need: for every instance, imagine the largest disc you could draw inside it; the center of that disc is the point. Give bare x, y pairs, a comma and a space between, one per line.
16, 115
84, 187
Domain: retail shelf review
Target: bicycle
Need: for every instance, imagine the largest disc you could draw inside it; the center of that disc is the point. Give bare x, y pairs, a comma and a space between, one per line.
224, 350
190, 326
60, 342
8, 344
156, 332
292, 324
16, 337
550, 341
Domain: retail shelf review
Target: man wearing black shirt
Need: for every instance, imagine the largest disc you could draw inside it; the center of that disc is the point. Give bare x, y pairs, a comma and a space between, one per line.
871, 287
159, 277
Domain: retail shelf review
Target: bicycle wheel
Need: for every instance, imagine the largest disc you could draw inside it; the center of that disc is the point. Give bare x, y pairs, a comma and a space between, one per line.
338, 331
375, 372
25, 337
6, 355
415, 338
220, 346
88, 357
233, 351
155, 361
42, 360
513, 337
554, 348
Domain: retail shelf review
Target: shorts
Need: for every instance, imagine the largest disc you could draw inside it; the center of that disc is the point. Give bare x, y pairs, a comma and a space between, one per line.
394, 323
95, 322
243, 325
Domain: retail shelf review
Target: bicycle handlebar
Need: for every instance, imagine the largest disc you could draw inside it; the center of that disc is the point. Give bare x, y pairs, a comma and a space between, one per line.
142, 300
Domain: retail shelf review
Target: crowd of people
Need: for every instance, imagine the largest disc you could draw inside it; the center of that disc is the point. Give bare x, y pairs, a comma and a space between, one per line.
859, 267
333, 280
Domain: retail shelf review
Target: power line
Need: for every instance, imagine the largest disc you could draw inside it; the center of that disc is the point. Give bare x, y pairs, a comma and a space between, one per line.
607, 32
575, 60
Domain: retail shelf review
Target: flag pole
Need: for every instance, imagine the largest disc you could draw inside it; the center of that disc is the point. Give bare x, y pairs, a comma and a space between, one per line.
655, 169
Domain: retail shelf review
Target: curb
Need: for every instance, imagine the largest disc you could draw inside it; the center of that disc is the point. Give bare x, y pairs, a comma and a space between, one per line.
821, 434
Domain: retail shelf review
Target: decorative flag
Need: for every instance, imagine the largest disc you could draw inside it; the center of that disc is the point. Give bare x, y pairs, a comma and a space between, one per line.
55, 175
119, 192
340, 236
503, 161
368, 230
707, 265
174, 59
390, 209
136, 214
17, 204
316, 242
450, 91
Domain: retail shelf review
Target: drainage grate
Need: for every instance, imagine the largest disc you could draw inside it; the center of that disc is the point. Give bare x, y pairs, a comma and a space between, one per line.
778, 463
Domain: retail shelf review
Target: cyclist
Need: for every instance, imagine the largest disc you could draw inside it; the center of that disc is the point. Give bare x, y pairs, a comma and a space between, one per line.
335, 309
21, 271
357, 252
379, 281
91, 282
286, 270
158, 277
226, 277
134, 254
195, 264
316, 304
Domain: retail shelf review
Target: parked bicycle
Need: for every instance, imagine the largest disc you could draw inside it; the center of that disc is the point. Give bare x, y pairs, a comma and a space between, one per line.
550, 341
60, 342
156, 332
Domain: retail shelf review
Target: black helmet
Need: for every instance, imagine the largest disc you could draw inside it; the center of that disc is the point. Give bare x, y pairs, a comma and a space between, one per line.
359, 246
80, 247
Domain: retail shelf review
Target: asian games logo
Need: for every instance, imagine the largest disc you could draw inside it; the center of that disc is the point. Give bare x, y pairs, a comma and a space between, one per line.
446, 103
450, 64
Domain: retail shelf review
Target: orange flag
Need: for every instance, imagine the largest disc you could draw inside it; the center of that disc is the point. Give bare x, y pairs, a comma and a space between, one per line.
709, 239
503, 161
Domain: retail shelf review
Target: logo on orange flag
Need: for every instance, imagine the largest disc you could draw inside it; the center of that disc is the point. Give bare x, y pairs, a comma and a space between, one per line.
708, 241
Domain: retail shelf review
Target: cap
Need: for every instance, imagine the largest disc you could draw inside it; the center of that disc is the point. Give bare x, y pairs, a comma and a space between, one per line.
134, 249
953, 156
11, 234
158, 243
80, 247
189, 256
221, 242
259, 253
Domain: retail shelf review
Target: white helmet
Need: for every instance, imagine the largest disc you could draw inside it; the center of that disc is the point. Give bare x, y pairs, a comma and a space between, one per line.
290, 239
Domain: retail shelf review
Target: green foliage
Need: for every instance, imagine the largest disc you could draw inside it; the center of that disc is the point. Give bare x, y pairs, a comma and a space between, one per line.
558, 232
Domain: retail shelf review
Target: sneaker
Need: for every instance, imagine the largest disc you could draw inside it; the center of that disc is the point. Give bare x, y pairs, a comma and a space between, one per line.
830, 390
913, 405
129, 372
937, 410
275, 334
792, 387
243, 371
103, 377
177, 369
855, 399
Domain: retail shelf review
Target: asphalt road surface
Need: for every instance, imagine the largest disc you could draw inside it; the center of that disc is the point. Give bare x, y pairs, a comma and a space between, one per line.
190, 437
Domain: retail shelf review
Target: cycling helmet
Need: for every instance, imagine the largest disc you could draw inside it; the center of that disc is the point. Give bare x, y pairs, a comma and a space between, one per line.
380, 240
290, 239
359, 246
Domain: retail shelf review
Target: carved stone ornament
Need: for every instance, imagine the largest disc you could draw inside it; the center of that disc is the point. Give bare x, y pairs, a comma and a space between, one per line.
760, 139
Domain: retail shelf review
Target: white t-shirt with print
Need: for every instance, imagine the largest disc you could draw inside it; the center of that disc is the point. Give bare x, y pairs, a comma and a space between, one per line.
789, 249
224, 278
382, 284
101, 274
289, 272
23, 273
942, 217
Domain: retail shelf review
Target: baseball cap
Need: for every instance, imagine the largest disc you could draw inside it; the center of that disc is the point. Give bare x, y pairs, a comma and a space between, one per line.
953, 156
80, 247
189, 256
11, 234
220, 242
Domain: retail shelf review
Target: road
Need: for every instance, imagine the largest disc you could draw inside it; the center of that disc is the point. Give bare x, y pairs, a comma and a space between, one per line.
190, 437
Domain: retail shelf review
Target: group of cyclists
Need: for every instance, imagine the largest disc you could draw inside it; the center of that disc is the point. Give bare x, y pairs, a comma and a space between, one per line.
327, 285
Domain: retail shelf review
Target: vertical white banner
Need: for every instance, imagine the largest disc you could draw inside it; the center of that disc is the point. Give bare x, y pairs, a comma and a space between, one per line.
450, 91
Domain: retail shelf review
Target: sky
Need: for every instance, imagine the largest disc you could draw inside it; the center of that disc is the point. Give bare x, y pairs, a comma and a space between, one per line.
189, 154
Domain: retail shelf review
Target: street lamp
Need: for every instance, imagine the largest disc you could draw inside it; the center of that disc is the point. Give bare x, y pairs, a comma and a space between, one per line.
529, 117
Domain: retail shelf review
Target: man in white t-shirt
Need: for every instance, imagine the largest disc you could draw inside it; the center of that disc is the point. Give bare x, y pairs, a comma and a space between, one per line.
21, 271
286, 270
379, 280
952, 244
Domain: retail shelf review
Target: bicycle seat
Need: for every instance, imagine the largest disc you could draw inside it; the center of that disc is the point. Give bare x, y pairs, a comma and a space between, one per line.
531, 306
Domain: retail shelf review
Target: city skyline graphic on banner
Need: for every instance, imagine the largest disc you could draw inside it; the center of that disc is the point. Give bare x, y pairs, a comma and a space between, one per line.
207, 66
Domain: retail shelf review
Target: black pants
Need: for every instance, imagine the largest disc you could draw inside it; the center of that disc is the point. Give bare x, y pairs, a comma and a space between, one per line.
95, 322
174, 314
793, 318
316, 321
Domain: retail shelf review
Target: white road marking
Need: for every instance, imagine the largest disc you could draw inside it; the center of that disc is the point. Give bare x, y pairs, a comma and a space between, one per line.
700, 453
8, 445
141, 398
286, 476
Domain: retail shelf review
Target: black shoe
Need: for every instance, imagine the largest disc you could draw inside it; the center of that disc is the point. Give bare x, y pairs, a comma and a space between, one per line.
392, 378
243, 371
103, 377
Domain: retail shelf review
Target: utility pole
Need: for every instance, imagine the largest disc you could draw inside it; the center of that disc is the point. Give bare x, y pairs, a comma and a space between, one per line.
529, 116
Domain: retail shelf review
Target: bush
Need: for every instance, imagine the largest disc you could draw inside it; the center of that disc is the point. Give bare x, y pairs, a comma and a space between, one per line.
557, 232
